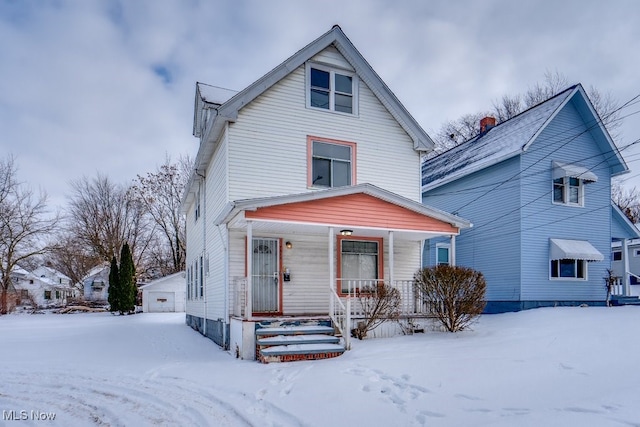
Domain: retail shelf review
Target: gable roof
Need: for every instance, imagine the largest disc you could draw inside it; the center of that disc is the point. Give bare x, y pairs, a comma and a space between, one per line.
225, 104
621, 227
513, 137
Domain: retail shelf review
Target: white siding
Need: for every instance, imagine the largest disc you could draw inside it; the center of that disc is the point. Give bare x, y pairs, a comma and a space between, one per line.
308, 290
268, 150
331, 56
217, 197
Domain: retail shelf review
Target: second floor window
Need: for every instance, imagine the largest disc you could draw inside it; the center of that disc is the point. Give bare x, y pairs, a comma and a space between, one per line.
331, 164
331, 90
568, 183
568, 191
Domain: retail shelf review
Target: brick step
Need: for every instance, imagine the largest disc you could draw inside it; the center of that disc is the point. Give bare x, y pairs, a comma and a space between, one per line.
297, 339
295, 352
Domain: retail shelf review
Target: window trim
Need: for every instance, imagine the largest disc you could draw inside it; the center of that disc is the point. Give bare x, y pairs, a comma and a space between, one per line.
585, 264
339, 240
332, 91
311, 139
566, 186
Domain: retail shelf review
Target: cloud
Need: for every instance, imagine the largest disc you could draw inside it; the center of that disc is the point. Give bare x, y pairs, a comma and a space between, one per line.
109, 85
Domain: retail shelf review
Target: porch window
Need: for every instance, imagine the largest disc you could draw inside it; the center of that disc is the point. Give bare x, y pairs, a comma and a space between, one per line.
443, 254
616, 256
330, 163
359, 260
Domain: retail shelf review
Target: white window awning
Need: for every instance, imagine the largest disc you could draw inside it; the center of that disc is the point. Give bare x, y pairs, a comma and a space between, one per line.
574, 249
562, 170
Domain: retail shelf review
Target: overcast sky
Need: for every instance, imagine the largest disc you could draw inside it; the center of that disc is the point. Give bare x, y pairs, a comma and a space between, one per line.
108, 86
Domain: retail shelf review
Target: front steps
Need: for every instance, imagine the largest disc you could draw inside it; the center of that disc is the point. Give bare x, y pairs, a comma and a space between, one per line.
288, 341
624, 300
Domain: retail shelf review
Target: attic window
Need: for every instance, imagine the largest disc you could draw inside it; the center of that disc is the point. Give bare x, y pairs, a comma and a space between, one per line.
330, 89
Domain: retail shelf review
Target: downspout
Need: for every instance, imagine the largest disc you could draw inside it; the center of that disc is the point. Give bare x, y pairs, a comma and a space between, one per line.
225, 245
203, 207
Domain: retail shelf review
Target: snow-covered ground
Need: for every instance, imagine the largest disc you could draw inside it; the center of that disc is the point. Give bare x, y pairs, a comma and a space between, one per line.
544, 367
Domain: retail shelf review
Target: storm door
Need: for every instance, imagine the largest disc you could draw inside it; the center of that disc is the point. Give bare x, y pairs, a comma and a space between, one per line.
266, 276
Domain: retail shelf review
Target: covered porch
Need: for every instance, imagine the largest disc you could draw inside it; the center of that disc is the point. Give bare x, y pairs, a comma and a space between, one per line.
309, 255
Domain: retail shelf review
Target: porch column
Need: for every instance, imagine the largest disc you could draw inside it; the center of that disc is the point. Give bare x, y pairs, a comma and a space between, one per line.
452, 249
625, 258
332, 267
248, 292
391, 260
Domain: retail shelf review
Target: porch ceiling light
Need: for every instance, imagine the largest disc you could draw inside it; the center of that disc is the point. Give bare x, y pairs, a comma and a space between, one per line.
346, 232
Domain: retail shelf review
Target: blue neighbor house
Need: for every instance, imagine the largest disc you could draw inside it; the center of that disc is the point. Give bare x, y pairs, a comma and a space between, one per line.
537, 188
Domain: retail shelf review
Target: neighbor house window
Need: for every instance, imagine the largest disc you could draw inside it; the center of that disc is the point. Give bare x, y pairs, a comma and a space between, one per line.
443, 254
569, 180
359, 263
616, 256
47, 294
568, 191
330, 89
331, 163
569, 268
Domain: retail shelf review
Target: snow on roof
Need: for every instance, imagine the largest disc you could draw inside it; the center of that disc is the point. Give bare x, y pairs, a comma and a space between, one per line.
499, 143
215, 94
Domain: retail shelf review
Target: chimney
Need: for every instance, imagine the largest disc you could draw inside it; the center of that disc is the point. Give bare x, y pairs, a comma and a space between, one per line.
486, 124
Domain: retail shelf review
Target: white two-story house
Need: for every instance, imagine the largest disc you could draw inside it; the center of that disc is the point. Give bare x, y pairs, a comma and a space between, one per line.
306, 186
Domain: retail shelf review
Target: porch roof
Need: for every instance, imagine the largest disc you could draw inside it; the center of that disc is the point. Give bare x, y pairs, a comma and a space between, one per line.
365, 207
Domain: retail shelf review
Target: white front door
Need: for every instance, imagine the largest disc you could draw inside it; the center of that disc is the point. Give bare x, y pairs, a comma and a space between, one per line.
266, 276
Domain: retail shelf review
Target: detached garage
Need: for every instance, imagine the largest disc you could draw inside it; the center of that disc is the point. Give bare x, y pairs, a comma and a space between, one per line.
164, 295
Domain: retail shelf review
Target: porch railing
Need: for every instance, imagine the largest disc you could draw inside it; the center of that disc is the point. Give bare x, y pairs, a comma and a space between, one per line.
340, 313
618, 286
239, 297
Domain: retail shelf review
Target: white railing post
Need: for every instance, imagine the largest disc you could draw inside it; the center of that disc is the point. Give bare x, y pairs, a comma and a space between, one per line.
347, 325
249, 302
332, 282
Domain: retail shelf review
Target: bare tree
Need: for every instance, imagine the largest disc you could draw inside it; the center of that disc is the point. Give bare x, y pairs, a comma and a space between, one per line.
455, 132
104, 215
72, 258
378, 304
160, 194
628, 200
25, 225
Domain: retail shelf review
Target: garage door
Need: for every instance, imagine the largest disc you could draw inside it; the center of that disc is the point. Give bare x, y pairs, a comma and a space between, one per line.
162, 302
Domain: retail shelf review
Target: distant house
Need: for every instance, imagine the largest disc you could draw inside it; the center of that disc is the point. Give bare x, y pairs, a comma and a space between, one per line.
167, 294
96, 284
537, 188
627, 262
306, 189
44, 287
